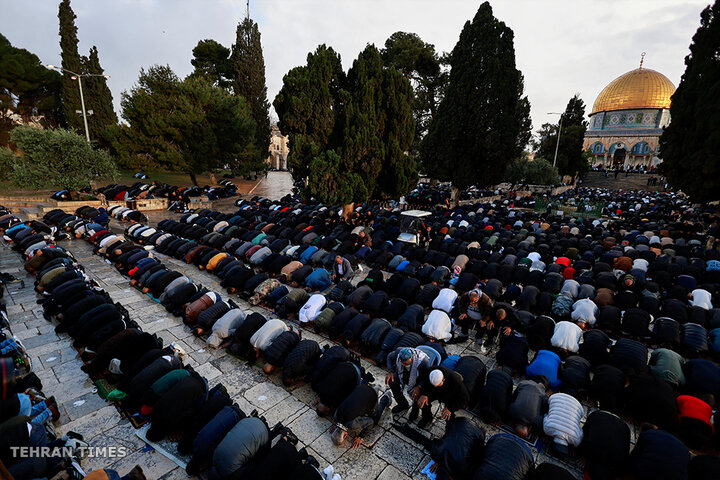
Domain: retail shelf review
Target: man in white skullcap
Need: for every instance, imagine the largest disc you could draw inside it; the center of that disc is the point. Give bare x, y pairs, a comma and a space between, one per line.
443, 385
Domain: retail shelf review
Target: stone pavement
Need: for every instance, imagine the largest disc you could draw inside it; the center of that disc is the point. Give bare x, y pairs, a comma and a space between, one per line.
275, 186
390, 456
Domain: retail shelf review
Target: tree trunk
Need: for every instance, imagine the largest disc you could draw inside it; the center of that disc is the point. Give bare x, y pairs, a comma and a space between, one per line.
454, 196
193, 179
213, 180
347, 209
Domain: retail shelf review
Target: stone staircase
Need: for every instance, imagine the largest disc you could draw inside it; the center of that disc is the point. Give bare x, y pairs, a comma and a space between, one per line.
634, 181
28, 208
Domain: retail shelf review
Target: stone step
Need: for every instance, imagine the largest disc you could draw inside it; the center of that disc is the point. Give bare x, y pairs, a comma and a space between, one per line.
29, 213
634, 181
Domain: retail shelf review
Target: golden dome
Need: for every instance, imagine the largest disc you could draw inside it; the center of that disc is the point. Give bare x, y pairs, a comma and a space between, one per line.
639, 88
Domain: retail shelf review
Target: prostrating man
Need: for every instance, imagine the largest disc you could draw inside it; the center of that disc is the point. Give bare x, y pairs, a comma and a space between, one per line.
358, 413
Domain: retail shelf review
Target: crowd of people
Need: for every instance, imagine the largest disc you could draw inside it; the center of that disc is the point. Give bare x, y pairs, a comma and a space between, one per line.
141, 190
585, 327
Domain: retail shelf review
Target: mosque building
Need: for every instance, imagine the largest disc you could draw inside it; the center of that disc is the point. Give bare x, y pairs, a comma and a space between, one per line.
627, 119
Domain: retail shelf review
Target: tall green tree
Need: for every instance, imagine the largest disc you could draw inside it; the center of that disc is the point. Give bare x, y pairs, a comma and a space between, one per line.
28, 90
571, 158
248, 66
98, 98
481, 123
349, 134
189, 126
309, 106
57, 159
418, 62
689, 146
212, 62
70, 61
378, 127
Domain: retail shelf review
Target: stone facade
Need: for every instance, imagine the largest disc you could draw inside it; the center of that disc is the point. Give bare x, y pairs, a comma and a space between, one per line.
626, 137
278, 149
628, 118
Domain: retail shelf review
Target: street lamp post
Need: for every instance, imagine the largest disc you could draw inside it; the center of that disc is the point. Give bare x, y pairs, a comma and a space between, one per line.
557, 144
78, 77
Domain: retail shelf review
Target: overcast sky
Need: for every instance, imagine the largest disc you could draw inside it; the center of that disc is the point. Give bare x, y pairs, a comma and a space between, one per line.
562, 47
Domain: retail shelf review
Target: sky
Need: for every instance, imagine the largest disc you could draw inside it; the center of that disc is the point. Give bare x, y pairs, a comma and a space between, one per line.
562, 47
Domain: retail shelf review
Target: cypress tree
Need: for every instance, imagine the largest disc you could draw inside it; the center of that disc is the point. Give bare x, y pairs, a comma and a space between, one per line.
248, 68
482, 122
378, 126
689, 146
308, 106
349, 135
70, 61
98, 98
571, 158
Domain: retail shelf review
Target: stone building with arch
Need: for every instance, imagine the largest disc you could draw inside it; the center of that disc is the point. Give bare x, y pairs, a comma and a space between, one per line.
278, 149
627, 119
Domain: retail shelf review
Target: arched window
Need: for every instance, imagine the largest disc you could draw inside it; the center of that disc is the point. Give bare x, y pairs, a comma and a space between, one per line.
641, 148
597, 148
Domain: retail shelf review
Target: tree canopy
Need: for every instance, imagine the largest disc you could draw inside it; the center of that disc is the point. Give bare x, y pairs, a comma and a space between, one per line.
56, 159
482, 123
349, 134
212, 62
188, 125
248, 75
27, 89
418, 62
537, 172
689, 146
571, 158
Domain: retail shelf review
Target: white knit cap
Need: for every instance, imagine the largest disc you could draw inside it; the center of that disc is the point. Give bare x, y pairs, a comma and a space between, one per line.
436, 378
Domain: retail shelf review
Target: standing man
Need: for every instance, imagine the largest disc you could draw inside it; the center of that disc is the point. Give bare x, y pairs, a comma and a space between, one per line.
407, 367
342, 270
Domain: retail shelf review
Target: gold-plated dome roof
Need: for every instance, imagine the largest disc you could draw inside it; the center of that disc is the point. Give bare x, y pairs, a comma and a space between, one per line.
639, 88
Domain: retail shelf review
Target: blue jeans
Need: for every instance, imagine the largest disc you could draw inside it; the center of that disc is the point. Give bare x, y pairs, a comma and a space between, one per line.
8, 345
38, 412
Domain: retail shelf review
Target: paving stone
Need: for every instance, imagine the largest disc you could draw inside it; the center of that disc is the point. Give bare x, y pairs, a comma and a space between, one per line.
285, 411
392, 473
83, 405
39, 340
265, 395
398, 452
154, 464
305, 394
208, 371
70, 389
94, 423
177, 473
356, 464
309, 426
25, 334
